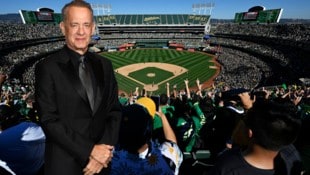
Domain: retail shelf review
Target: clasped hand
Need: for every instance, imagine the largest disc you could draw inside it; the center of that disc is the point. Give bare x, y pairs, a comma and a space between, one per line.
99, 158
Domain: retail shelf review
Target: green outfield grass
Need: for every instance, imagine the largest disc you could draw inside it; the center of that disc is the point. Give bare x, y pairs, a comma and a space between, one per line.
197, 64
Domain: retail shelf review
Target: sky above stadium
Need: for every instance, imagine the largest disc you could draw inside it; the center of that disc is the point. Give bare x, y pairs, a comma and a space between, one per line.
223, 9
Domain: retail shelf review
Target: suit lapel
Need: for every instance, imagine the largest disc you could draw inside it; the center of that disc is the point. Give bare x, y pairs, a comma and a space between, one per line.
99, 79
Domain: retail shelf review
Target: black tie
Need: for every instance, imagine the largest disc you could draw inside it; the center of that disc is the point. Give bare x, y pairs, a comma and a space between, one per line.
85, 77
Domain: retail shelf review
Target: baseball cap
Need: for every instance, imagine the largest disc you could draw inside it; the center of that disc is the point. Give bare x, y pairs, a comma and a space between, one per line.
148, 103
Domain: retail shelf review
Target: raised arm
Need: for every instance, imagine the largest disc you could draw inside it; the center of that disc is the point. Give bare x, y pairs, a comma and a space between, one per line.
187, 89
168, 90
168, 131
199, 86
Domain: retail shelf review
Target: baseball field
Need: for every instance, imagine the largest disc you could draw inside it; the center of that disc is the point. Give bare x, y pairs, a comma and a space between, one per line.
151, 69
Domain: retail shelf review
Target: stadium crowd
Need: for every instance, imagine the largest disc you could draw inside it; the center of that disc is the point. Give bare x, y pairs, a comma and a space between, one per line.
21, 55
292, 32
286, 45
194, 115
201, 120
14, 32
247, 73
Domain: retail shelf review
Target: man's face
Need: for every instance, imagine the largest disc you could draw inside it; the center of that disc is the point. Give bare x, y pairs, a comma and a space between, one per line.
78, 28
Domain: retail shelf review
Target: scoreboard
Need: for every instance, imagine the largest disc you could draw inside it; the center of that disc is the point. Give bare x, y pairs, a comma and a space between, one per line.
34, 17
264, 16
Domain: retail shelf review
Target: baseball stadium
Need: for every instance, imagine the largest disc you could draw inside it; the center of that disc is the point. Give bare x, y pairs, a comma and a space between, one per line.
183, 40
156, 54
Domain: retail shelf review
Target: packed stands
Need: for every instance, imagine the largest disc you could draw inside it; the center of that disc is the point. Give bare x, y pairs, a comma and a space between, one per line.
283, 47
115, 29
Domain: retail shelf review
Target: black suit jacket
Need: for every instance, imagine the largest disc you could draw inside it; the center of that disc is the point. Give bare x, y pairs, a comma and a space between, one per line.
71, 127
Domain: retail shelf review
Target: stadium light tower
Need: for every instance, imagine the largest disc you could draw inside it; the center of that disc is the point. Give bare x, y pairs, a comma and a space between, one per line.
102, 9
203, 7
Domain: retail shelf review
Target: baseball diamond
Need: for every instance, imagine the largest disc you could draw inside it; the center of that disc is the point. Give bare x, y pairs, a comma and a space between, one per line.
151, 69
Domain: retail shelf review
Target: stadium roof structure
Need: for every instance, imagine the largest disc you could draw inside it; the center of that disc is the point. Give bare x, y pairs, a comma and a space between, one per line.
152, 20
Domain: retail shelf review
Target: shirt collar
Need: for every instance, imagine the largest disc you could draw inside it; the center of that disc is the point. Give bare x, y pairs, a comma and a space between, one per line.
74, 56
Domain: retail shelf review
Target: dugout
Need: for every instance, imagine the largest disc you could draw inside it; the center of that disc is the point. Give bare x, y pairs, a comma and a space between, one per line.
151, 43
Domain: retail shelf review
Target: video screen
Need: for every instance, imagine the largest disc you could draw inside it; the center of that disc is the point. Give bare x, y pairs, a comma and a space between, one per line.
44, 16
250, 16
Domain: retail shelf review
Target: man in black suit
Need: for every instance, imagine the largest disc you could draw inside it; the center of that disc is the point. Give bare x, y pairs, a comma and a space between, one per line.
81, 128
